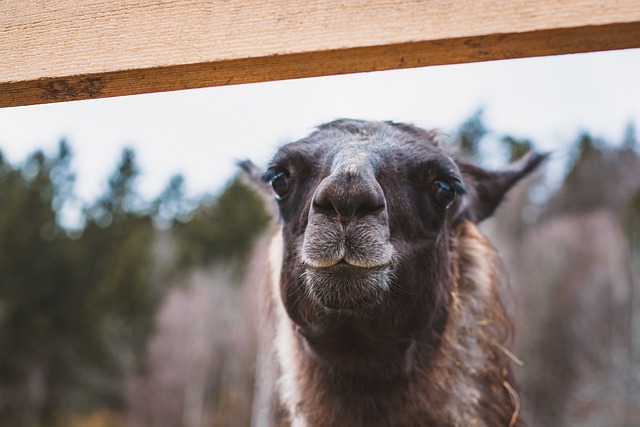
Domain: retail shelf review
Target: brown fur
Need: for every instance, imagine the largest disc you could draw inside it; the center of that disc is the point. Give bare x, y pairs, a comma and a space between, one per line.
386, 307
468, 382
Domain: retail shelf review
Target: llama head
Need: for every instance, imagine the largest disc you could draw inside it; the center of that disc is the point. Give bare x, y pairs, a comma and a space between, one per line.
367, 212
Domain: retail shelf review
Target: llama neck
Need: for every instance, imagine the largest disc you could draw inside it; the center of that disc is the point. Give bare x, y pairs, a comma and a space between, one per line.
359, 391
462, 379
350, 347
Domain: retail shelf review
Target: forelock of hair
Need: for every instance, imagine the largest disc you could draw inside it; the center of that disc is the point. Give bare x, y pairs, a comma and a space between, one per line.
431, 136
345, 126
407, 132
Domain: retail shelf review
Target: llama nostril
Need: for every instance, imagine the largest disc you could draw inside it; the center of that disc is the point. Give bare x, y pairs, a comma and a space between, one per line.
371, 207
324, 207
322, 202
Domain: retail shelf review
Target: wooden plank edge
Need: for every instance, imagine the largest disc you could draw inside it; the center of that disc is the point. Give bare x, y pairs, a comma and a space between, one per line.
322, 63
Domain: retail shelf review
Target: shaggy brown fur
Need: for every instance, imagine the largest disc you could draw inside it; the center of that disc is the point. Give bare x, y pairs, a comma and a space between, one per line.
385, 298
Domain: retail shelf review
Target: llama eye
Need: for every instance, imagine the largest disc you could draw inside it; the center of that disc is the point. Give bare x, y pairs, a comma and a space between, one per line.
280, 185
443, 194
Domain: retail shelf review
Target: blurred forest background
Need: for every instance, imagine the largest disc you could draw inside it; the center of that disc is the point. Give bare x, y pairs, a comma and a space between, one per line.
145, 314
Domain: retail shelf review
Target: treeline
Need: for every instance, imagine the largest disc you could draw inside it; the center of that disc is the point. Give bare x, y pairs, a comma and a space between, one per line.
78, 307
573, 255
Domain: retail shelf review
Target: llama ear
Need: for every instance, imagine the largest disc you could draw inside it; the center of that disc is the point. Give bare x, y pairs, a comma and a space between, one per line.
486, 189
251, 175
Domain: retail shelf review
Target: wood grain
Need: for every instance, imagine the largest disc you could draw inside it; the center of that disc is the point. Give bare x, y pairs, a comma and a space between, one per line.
62, 50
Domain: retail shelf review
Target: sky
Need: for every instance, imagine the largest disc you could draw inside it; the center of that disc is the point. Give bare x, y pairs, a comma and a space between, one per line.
202, 133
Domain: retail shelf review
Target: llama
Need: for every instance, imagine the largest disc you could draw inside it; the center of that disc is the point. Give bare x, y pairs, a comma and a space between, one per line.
384, 299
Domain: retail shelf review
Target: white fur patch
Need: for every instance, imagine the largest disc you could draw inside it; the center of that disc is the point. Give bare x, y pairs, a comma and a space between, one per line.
286, 345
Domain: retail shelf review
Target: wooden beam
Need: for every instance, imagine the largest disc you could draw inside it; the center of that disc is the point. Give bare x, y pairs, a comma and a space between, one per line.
63, 50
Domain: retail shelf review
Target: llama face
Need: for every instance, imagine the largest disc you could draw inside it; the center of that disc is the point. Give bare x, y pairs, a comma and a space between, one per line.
364, 207
367, 210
